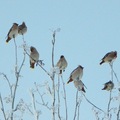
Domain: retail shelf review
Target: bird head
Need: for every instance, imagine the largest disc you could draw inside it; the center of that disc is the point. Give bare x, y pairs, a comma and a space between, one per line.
15, 24
61, 56
80, 66
32, 48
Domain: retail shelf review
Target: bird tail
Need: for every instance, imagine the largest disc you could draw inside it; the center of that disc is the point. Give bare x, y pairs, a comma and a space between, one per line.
32, 65
83, 89
70, 80
60, 71
101, 62
104, 88
8, 39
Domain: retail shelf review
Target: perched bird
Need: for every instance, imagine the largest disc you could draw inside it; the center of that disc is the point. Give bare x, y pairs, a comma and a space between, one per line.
62, 64
22, 29
108, 86
76, 74
79, 85
109, 57
34, 56
13, 32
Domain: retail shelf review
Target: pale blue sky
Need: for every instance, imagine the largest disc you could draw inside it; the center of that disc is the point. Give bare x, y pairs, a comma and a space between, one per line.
89, 29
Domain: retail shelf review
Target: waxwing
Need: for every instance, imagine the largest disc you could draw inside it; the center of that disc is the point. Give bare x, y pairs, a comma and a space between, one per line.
13, 32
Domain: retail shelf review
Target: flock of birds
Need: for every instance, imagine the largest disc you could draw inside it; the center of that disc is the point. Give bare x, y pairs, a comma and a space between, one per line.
76, 74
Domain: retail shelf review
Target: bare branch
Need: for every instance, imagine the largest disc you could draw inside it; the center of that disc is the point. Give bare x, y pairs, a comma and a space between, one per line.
78, 112
28, 108
111, 65
65, 98
118, 113
17, 74
53, 43
16, 58
6, 78
22, 64
113, 72
110, 99
92, 104
42, 99
53, 76
58, 93
36, 113
76, 105
2, 107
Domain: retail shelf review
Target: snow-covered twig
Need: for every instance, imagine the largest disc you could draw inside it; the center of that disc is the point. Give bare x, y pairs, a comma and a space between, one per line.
53, 76
58, 93
42, 99
76, 105
36, 113
17, 74
10, 86
109, 102
65, 99
118, 113
113, 72
92, 104
2, 107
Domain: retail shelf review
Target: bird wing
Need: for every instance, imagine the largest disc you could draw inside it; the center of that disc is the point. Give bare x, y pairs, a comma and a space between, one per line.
73, 71
105, 56
9, 31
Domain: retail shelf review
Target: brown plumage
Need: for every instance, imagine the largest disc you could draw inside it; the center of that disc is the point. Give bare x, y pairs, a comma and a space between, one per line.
62, 64
108, 86
34, 56
109, 57
79, 85
76, 74
22, 29
13, 32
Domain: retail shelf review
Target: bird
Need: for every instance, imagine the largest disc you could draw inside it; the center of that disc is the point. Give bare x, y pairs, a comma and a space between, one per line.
108, 86
13, 32
79, 85
76, 74
22, 29
62, 64
34, 56
109, 57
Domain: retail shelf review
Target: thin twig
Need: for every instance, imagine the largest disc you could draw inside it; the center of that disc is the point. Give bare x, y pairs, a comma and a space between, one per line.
114, 72
92, 103
22, 64
109, 102
58, 93
3, 111
76, 105
16, 61
118, 113
65, 98
29, 109
53, 44
78, 112
23, 38
53, 76
41, 96
17, 74
36, 114
10, 86
33, 99
111, 65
